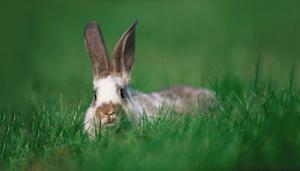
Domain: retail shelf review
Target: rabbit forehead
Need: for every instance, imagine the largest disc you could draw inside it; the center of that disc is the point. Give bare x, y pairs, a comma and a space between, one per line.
107, 89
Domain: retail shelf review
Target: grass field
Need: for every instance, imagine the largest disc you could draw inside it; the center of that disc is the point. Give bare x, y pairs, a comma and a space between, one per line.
247, 52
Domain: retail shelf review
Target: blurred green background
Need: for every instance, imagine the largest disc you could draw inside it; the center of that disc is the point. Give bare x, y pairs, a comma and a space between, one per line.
43, 54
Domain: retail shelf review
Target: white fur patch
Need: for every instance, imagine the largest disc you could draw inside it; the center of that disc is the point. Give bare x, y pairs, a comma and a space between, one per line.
107, 89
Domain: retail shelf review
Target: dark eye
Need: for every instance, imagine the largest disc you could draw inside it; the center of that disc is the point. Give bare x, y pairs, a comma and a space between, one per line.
95, 96
122, 93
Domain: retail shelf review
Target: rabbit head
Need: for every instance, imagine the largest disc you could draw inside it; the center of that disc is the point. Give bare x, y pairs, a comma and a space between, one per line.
110, 76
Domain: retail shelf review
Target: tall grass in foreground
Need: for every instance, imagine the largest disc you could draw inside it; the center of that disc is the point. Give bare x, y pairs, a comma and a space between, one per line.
257, 126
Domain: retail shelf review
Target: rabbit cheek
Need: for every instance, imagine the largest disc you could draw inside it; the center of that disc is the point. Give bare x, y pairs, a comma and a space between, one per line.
98, 113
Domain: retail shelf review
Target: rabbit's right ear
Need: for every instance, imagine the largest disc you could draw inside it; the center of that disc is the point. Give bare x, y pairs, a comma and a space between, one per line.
96, 49
124, 52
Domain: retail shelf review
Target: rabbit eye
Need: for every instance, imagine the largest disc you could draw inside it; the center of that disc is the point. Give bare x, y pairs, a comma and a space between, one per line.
122, 93
95, 96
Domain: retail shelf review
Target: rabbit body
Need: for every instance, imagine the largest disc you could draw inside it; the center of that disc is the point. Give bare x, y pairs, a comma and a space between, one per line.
179, 99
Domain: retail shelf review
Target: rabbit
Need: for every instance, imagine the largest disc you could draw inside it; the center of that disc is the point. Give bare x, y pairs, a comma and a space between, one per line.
112, 94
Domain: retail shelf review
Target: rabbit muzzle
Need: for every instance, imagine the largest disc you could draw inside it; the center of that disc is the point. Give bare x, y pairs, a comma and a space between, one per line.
107, 113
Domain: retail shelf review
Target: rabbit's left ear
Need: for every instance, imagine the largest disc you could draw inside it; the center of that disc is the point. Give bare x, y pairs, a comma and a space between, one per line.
124, 51
97, 51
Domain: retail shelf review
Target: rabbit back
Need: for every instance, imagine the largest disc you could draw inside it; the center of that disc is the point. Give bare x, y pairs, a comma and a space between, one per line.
179, 98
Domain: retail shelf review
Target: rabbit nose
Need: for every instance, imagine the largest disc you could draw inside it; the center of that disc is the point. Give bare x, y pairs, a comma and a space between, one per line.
110, 112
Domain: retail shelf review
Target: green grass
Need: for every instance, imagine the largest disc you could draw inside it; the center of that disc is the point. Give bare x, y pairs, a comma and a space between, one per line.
257, 128
247, 52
